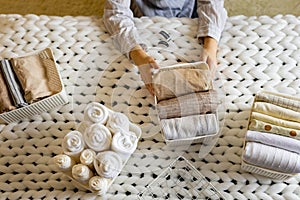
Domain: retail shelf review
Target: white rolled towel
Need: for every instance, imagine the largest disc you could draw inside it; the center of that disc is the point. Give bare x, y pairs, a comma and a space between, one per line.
96, 113
99, 185
124, 143
87, 157
64, 162
108, 164
82, 173
117, 121
97, 137
73, 144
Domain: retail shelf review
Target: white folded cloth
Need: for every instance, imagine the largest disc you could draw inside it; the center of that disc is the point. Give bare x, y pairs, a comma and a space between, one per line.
190, 126
273, 158
96, 113
124, 143
73, 144
99, 185
82, 173
117, 121
283, 142
97, 137
87, 157
64, 162
108, 164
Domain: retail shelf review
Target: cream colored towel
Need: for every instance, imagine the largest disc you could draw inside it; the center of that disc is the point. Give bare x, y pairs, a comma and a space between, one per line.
108, 164
87, 157
97, 137
276, 111
99, 185
73, 144
257, 125
118, 121
64, 162
82, 173
95, 112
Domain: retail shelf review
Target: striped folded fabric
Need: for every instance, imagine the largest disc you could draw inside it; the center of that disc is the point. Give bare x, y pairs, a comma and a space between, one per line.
6, 103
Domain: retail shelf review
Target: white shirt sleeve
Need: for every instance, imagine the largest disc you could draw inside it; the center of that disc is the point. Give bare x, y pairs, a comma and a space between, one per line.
118, 20
212, 17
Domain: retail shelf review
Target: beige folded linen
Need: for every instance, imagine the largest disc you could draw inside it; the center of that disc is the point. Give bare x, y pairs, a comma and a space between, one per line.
6, 103
276, 111
275, 121
190, 104
172, 82
190, 126
256, 125
282, 100
37, 75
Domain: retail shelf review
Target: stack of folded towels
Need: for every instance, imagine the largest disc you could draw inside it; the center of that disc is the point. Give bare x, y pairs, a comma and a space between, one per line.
272, 139
95, 154
186, 101
28, 79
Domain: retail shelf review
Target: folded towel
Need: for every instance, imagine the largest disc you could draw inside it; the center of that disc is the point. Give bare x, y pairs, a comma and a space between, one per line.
275, 140
276, 111
82, 173
118, 121
73, 144
177, 81
12, 83
124, 143
108, 164
97, 137
275, 121
87, 157
257, 125
190, 126
279, 100
190, 104
96, 113
6, 103
64, 162
99, 185
271, 158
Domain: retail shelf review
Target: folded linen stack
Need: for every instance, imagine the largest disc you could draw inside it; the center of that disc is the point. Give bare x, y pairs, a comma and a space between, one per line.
28, 79
272, 139
95, 155
186, 102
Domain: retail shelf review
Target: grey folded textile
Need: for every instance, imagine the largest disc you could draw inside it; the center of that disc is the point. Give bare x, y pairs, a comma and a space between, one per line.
190, 126
270, 157
283, 142
190, 104
12, 83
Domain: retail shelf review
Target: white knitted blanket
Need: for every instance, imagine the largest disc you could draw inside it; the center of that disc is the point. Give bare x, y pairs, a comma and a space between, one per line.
255, 53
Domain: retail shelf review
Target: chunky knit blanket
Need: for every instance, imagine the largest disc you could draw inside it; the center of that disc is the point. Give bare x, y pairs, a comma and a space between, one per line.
256, 53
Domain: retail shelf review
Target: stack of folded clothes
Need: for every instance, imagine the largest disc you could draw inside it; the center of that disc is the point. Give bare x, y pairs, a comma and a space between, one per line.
28, 79
272, 139
186, 101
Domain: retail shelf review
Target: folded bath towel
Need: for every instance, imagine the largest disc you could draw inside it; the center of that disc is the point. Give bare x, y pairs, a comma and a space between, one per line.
73, 144
190, 126
95, 113
118, 121
190, 104
108, 164
275, 140
271, 158
99, 185
82, 173
87, 157
64, 162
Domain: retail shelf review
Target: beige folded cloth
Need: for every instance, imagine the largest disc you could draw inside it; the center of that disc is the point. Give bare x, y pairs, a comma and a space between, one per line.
73, 144
275, 121
82, 173
282, 100
190, 104
256, 125
6, 103
276, 111
87, 157
108, 164
177, 81
64, 162
99, 185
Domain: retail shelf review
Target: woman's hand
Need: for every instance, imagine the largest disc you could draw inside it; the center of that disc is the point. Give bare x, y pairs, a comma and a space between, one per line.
209, 53
145, 64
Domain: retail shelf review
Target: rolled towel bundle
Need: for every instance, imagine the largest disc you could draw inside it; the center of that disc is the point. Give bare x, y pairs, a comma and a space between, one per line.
87, 157
99, 184
118, 121
190, 104
108, 164
190, 126
274, 140
98, 137
124, 143
82, 173
6, 103
271, 158
64, 162
73, 144
96, 113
